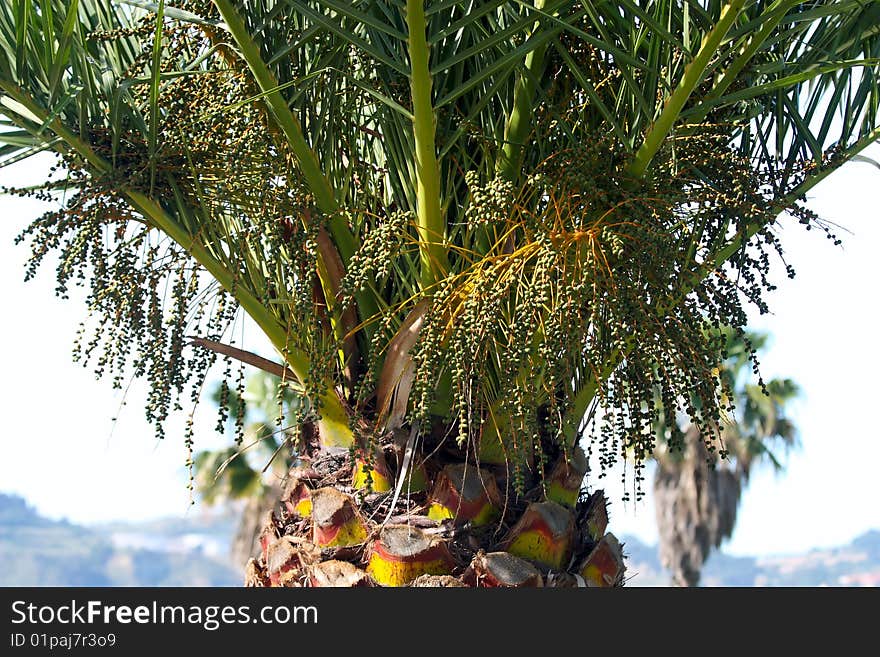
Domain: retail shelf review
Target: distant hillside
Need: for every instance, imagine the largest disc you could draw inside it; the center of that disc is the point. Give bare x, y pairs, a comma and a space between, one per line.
36, 551
192, 551
856, 564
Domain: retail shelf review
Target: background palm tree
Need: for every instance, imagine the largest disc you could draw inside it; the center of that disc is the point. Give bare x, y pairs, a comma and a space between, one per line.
697, 495
248, 475
462, 226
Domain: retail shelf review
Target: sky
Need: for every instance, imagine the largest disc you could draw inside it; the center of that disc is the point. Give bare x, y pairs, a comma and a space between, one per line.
61, 450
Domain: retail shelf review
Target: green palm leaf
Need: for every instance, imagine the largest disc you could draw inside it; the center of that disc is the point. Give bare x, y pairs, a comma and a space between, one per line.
533, 168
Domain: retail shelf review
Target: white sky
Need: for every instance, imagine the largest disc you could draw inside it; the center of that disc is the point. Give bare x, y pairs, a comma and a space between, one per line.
57, 449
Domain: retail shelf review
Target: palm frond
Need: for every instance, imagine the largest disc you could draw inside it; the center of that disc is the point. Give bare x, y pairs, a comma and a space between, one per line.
565, 187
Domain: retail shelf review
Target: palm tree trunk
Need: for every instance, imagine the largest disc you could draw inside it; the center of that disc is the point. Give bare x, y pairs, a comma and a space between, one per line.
467, 527
246, 542
696, 506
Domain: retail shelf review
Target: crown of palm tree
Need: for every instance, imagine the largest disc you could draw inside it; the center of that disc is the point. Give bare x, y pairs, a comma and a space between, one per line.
514, 209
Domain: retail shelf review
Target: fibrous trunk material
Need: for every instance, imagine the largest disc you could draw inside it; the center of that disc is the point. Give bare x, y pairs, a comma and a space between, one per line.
466, 528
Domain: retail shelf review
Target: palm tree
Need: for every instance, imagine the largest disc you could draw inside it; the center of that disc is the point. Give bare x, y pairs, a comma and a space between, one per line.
696, 496
250, 473
464, 227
